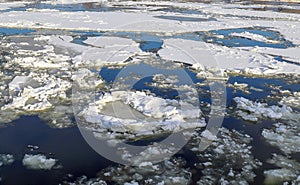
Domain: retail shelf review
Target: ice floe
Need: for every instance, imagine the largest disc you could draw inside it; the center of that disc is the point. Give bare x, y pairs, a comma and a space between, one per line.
114, 50
213, 57
292, 100
288, 171
252, 111
171, 114
6, 159
38, 162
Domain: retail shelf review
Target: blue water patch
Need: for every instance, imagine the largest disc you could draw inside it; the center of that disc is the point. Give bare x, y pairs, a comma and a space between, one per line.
15, 31
111, 75
236, 41
148, 42
281, 59
264, 84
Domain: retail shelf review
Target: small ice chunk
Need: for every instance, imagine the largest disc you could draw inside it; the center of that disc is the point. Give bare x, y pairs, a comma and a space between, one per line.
6, 159
38, 162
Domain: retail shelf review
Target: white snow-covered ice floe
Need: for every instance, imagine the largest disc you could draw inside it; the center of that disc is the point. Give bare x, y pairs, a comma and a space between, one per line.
38, 162
211, 57
141, 113
99, 50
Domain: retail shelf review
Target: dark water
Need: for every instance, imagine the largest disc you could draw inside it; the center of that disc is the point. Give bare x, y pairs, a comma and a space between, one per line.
66, 145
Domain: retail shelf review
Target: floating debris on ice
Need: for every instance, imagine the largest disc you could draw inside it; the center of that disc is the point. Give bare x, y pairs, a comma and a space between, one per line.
38, 162
252, 111
6, 159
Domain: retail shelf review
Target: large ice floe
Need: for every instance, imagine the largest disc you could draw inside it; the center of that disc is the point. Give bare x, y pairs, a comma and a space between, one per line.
212, 57
142, 113
99, 50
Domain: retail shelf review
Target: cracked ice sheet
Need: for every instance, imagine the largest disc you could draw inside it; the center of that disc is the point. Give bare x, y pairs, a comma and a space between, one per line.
210, 56
291, 54
101, 50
